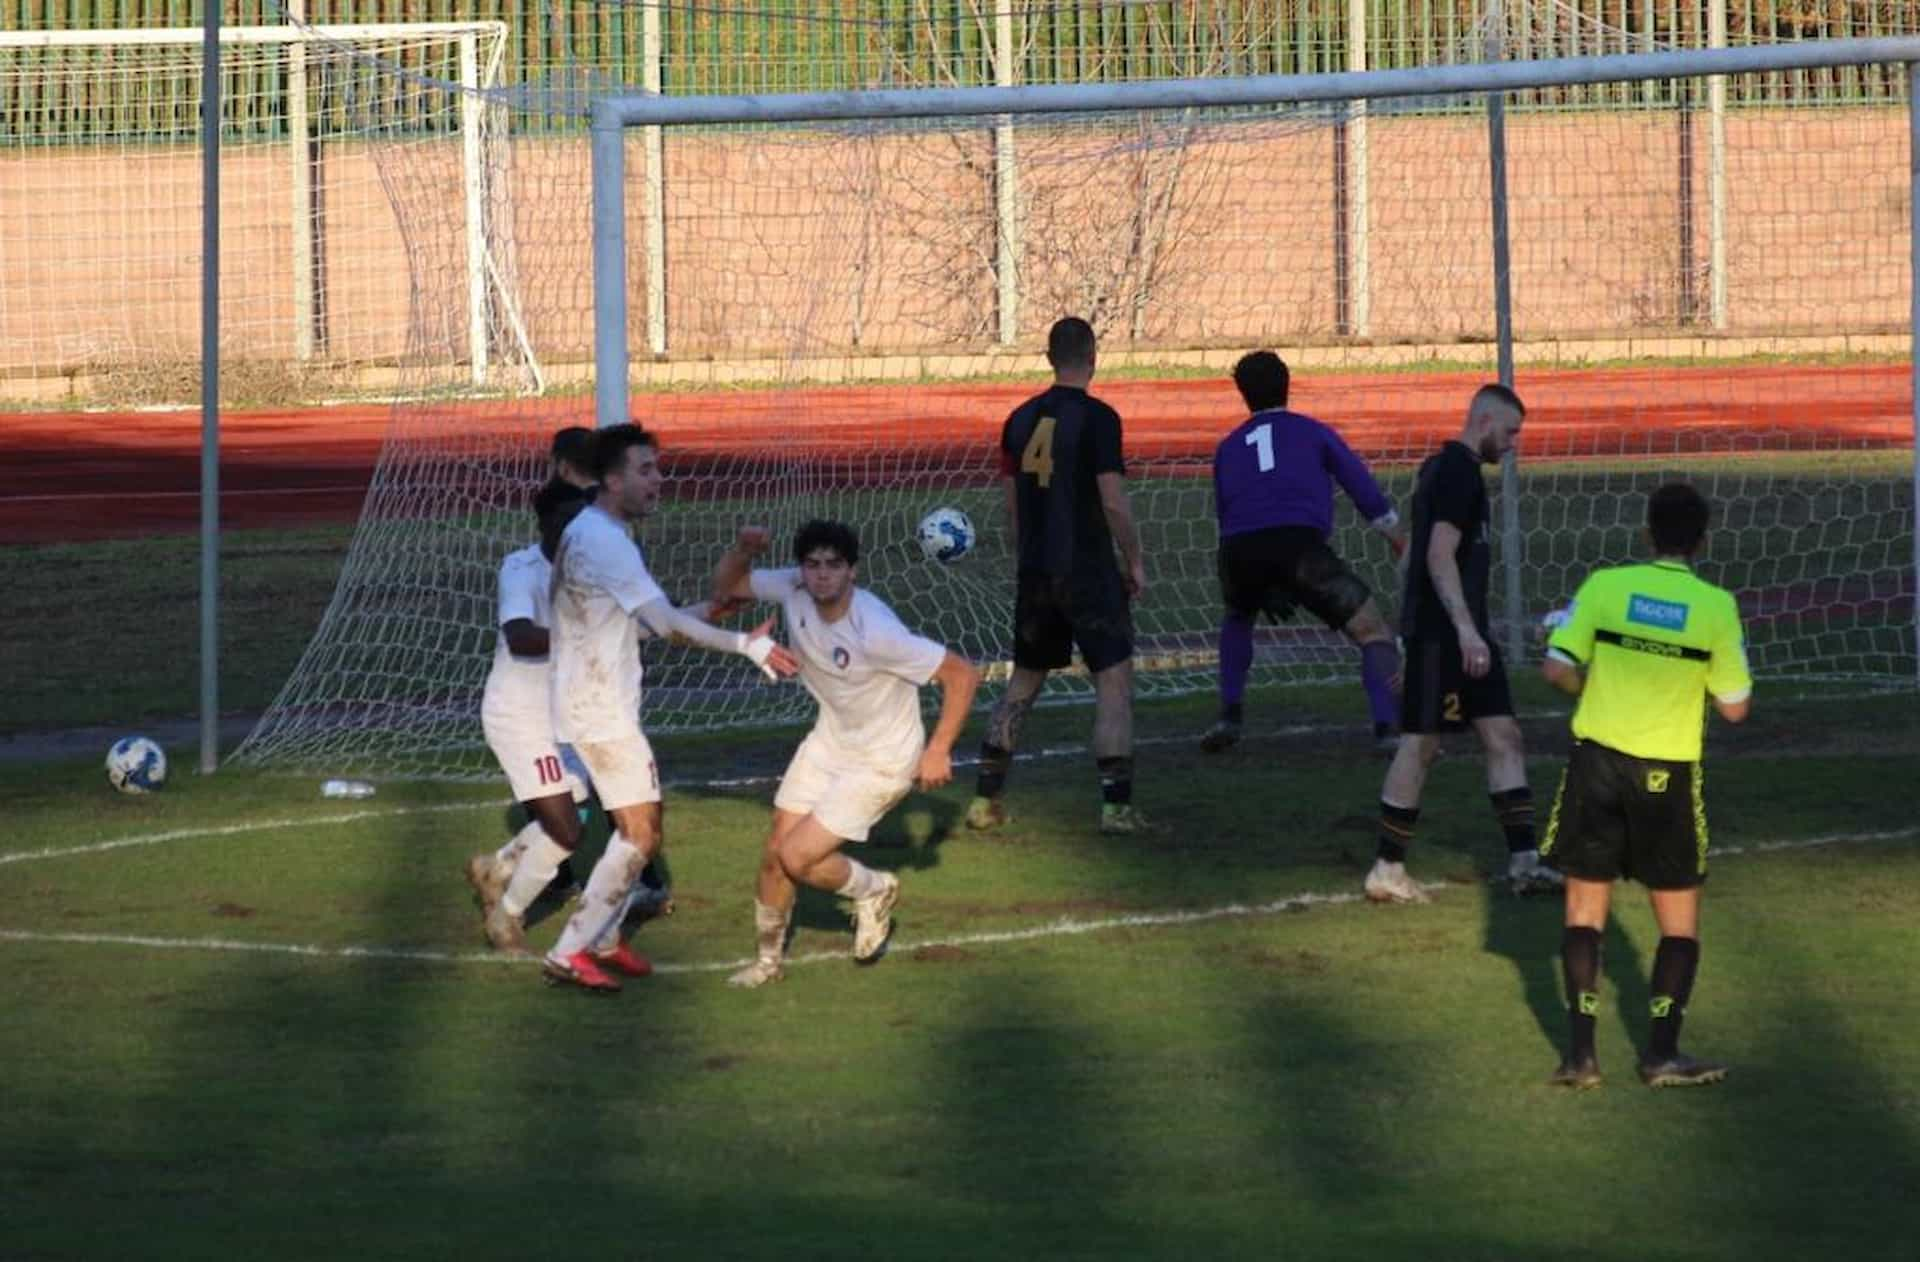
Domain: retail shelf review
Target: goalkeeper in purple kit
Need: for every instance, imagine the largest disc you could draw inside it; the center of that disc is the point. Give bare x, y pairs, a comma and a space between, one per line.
1273, 479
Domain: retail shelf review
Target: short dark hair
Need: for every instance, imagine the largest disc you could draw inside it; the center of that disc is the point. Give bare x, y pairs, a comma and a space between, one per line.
1494, 392
1263, 379
1677, 517
610, 446
574, 444
554, 505
1070, 343
820, 533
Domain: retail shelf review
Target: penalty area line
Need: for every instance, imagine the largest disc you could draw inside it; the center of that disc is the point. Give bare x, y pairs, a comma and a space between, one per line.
1065, 927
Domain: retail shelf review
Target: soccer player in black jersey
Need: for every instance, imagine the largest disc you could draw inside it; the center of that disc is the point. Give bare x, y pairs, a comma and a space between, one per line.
1067, 496
1454, 675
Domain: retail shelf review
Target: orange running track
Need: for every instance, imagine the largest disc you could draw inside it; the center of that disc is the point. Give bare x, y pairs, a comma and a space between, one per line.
76, 476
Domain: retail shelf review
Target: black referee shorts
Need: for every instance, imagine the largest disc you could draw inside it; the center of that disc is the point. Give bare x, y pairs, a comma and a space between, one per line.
1051, 615
1616, 816
1437, 695
1271, 571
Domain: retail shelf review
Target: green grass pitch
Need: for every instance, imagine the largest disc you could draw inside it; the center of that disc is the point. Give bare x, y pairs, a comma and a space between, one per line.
266, 1026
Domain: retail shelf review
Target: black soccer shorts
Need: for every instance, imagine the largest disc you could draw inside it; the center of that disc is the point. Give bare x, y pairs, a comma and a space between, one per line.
1271, 571
1439, 696
1052, 615
1618, 816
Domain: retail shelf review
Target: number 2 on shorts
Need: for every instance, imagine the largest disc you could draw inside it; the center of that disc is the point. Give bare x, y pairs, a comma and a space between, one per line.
1037, 457
1450, 707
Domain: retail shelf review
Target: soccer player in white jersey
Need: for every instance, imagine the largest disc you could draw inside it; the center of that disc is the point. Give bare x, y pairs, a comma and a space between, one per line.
866, 749
516, 713
602, 595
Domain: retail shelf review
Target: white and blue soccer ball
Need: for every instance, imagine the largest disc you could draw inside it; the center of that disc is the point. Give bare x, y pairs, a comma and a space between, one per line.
136, 765
945, 534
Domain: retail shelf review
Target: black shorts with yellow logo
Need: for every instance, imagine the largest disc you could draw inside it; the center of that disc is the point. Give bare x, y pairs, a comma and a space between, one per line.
1617, 816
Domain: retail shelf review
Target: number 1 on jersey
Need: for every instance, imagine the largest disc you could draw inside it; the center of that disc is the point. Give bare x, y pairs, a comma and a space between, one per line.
1037, 457
1261, 440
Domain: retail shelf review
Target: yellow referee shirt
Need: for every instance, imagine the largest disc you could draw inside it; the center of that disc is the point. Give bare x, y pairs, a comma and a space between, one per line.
1654, 641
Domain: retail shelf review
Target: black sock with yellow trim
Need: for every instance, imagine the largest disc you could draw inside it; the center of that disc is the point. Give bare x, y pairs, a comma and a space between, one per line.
1580, 969
1675, 961
1514, 809
1396, 831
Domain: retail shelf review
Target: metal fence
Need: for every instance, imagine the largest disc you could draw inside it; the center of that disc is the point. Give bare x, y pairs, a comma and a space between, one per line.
791, 45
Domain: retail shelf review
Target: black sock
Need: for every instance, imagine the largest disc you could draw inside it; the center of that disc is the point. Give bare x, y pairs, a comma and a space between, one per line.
994, 762
1675, 961
1396, 831
1116, 780
1580, 968
1514, 809
1234, 712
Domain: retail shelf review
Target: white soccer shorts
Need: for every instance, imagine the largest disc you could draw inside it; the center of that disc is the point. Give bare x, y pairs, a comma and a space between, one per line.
845, 795
536, 766
624, 773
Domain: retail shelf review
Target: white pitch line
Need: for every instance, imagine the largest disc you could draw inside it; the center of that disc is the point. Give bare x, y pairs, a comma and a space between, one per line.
232, 830
1065, 927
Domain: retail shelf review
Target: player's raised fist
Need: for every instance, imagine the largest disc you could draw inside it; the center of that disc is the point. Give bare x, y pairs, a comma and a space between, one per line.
752, 540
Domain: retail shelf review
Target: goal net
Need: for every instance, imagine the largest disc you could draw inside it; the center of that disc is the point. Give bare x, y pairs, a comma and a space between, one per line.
833, 318
101, 186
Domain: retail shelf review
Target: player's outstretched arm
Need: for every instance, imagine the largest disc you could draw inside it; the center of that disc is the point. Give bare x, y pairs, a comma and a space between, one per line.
733, 573
1119, 511
1357, 480
1443, 571
757, 645
959, 679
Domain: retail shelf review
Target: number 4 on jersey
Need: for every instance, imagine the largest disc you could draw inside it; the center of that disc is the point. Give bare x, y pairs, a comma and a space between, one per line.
1037, 457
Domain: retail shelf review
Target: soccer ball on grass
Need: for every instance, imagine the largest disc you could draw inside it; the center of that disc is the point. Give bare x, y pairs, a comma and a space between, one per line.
136, 765
945, 534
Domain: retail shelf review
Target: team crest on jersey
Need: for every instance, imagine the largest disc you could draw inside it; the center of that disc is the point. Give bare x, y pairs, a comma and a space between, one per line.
841, 658
1668, 615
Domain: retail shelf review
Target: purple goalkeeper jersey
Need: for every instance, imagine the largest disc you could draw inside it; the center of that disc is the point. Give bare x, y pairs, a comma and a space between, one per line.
1278, 469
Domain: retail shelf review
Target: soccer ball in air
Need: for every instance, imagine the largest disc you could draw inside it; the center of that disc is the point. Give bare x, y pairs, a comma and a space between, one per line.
136, 765
945, 534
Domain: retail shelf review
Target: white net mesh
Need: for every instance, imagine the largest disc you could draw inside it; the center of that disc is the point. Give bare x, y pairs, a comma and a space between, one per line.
100, 191
1736, 316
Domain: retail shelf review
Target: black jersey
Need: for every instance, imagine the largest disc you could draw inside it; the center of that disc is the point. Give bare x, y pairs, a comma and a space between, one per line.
1054, 446
1450, 488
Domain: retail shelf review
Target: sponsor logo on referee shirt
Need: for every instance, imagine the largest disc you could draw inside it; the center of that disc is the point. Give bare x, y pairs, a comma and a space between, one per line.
1666, 614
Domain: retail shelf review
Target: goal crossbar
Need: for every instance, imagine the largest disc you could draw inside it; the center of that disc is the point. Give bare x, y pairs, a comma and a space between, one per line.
612, 115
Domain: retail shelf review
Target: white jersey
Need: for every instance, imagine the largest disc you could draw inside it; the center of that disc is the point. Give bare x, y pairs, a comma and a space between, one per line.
866, 670
518, 687
599, 580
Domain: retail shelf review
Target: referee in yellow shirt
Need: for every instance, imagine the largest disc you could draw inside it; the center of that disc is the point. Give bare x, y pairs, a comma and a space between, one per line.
1643, 647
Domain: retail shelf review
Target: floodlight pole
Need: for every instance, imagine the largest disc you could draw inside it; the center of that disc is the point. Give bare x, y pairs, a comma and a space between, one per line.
210, 389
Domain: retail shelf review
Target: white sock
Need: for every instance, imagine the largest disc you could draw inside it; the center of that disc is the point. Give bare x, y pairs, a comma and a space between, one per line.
605, 898
538, 863
770, 931
509, 854
862, 882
